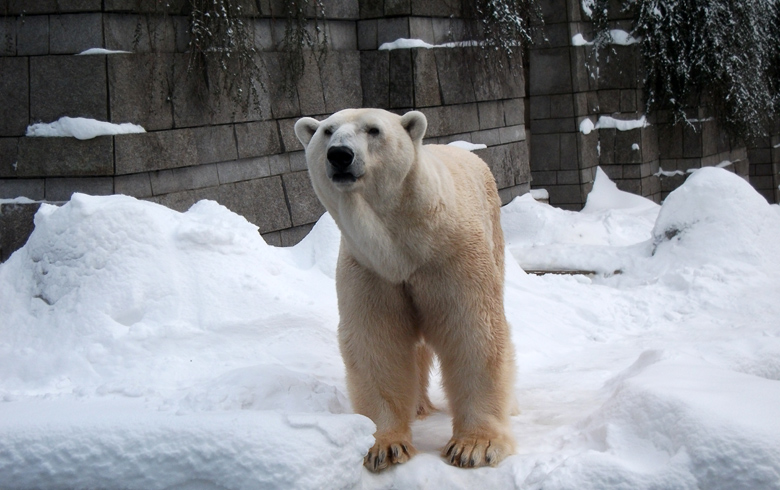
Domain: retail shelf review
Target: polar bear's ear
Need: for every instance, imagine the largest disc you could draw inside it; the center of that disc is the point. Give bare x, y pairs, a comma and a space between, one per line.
305, 128
415, 124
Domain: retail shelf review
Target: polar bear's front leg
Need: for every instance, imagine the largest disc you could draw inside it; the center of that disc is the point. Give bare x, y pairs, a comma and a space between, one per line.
377, 337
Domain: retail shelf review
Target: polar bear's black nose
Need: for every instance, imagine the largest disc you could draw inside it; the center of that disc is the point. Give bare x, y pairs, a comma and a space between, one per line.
340, 157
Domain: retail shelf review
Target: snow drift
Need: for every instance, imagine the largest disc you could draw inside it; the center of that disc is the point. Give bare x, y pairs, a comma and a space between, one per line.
145, 348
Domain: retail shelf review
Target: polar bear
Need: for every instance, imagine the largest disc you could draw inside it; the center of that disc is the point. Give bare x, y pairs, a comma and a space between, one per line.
420, 268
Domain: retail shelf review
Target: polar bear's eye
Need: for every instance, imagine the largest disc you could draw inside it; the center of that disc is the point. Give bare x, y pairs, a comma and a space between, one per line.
373, 131
328, 132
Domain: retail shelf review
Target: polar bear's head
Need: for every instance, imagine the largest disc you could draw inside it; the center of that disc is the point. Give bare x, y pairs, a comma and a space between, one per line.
360, 149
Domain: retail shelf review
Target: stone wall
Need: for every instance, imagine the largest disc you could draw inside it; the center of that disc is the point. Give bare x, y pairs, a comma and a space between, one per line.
198, 146
569, 83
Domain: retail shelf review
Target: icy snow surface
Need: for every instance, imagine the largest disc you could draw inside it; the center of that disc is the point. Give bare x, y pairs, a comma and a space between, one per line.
143, 348
80, 128
618, 36
102, 51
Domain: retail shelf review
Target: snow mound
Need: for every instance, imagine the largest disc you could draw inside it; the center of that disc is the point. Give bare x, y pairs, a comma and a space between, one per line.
717, 216
670, 422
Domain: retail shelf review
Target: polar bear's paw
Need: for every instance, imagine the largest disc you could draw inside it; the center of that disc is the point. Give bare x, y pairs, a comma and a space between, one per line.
473, 452
386, 451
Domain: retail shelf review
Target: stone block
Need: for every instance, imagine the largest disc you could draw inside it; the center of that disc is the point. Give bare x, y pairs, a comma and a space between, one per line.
341, 35
510, 134
540, 107
614, 172
260, 201
624, 141
543, 178
491, 80
584, 71
283, 98
16, 225
311, 97
553, 11
65, 157
341, 81
74, 33
29, 188
68, 86
436, 8
345, 9
670, 141
607, 146
140, 90
609, 101
14, 96
297, 161
501, 164
561, 106
136, 185
588, 149
8, 36
451, 119
488, 137
159, 150
215, 144
367, 34
79, 5
692, 142
491, 114
182, 201
139, 33
397, 7
391, 29
263, 34
619, 70
305, 208
514, 111
9, 151
279, 164
371, 9
546, 152
62, 188
569, 153
550, 71
244, 169
560, 125
185, 178
401, 81
421, 28
454, 79
759, 156
32, 33
561, 195
568, 177
375, 75
257, 138
293, 236
446, 30
629, 101
426, 79
273, 238
556, 35
289, 139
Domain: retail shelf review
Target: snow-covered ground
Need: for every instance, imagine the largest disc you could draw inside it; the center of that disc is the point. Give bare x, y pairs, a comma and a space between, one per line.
143, 348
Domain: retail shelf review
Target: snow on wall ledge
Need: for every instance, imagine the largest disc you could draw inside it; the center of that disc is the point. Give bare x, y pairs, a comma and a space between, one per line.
608, 122
80, 128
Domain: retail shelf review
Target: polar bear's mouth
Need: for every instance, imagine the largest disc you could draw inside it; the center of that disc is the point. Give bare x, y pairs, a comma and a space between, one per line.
344, 178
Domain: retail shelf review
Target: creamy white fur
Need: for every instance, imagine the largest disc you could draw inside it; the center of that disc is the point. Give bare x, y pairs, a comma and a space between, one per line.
421, 267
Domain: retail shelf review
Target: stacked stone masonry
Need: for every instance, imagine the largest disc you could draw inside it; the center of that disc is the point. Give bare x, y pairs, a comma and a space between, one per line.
569, 83
199, 146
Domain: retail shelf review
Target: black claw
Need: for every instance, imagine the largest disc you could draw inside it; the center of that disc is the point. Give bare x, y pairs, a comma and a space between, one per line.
406, 449
472, 462
449, 449
396, 452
